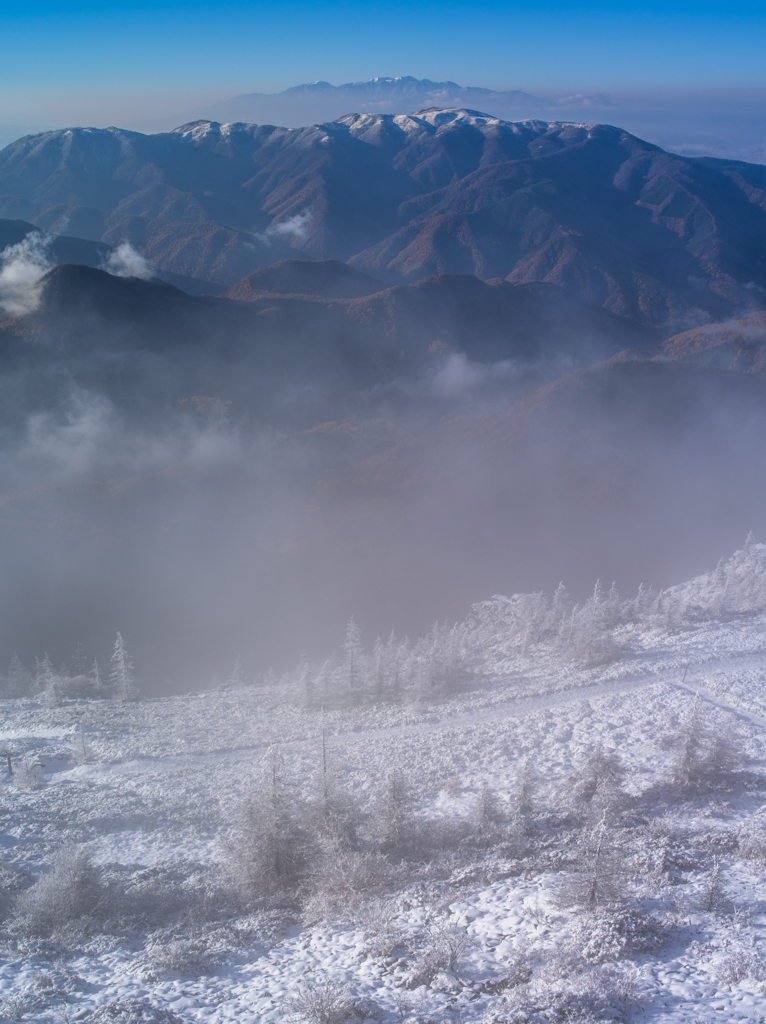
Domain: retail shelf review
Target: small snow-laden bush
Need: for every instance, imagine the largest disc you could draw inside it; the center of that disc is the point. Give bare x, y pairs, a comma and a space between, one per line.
28, 774
326, 1002
11, 884
133, 1011
738, 965
40, 990
69, 892
440, 950
523, 800
382, 931
343, 880
393, 826
614, 934
752, 839
663, 855
15, 1007
170, 891
606, 992
186, 956
518, 969
713, 896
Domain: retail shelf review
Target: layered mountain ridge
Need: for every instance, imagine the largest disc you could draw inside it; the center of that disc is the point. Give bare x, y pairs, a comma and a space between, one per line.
321, 101
653, 237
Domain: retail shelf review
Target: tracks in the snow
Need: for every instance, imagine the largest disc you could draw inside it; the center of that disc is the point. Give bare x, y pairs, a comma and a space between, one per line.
513, 708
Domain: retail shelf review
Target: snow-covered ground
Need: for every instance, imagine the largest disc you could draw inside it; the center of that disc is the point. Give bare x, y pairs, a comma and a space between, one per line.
538, 779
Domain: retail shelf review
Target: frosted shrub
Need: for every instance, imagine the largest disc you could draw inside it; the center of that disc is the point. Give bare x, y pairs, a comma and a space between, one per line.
69, 891
601, 993
705, 756
382, 932
392, 824
441, 949
133, 1011
343, 879
180, 955
741, 964
15, 1007
752, 839
28, 774
524, 790
488, 816
713, 897
11, 883
614, 934
322, 1003
166, 891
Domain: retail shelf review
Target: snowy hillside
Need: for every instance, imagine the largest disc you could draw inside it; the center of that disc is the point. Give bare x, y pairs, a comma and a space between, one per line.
547, 813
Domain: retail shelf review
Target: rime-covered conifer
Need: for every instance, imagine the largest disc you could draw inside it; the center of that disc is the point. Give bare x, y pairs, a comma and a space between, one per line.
121, 676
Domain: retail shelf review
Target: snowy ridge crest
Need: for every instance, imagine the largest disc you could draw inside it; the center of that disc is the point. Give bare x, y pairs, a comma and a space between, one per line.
526, 634
735, 587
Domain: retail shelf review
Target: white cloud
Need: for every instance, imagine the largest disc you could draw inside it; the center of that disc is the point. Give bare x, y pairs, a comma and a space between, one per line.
295, 227
124, 261
22, 267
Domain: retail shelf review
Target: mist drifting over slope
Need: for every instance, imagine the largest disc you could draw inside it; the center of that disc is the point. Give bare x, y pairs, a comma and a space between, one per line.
218, 483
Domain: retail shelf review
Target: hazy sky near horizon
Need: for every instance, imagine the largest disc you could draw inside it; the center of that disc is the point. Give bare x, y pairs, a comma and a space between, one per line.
92, 62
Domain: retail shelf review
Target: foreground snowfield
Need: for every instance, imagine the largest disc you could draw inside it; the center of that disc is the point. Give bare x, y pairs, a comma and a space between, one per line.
486, 914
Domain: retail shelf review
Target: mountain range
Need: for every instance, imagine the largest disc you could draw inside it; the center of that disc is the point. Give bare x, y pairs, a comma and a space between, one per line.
660, 239
321, 101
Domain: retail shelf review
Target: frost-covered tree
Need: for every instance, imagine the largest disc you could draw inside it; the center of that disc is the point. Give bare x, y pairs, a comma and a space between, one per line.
121, 676
335, 813
96, 681
352, 648
18, 680
704, 756
488, 815
392, 816
599, 878
265, 850
524, 790
44, 674
590, 640
713, 894
598, 780
307, 685
79, 660
48, 682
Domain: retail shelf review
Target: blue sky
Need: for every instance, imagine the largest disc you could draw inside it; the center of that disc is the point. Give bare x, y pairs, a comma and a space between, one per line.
91, 62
